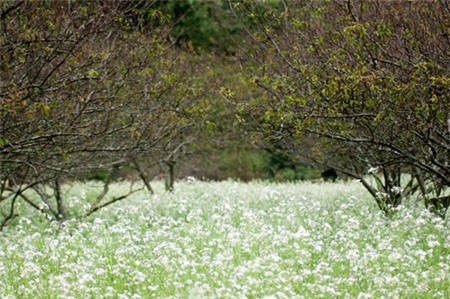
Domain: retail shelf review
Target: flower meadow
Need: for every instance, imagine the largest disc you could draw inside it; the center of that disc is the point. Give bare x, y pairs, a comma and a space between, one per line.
229, 240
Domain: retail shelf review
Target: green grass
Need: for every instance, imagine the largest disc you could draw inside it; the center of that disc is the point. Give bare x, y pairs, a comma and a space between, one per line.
228, 240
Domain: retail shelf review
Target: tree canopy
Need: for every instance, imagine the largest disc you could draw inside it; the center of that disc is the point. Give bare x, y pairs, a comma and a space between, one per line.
368, 82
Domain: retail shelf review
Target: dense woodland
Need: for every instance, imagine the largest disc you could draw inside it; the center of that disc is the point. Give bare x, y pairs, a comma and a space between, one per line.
277, 90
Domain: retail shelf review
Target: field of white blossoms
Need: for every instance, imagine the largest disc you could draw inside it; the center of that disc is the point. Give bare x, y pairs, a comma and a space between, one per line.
228, 240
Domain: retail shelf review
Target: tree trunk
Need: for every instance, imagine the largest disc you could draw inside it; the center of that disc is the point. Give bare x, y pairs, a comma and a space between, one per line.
170, 176
143, 177
62, 215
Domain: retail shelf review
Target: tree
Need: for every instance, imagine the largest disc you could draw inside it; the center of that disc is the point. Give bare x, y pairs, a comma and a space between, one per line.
368, 82
84, 87
55, 118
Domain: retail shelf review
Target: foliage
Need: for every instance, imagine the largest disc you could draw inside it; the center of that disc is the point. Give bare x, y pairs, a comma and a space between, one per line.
201, 24
85, 89
358, 85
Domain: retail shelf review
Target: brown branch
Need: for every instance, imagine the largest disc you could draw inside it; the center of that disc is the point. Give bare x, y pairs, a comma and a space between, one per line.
10, 9
11, 214
94, 209
143, 177
45, 199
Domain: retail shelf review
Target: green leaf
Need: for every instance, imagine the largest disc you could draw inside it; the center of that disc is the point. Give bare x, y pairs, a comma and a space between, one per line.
92, 73
3, 141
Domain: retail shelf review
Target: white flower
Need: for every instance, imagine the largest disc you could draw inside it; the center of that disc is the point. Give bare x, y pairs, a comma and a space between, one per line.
190, 179
433, 243
396, 189
372, 169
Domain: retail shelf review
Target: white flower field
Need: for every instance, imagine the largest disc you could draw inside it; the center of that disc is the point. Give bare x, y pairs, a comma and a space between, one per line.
229, 240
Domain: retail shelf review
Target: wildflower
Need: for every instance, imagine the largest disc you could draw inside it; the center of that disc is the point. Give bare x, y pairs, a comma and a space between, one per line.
396, 190
372, 170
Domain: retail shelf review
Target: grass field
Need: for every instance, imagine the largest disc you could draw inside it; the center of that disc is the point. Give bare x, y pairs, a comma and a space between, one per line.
227, 240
